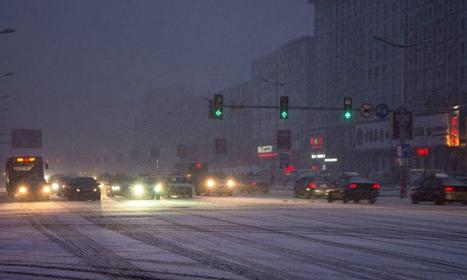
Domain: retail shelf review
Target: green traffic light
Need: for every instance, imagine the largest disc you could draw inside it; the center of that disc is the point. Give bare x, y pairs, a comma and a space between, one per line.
348, 115
284, 115
218, 113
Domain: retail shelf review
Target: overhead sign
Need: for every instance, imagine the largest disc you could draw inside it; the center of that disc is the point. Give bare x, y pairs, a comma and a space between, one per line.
284, 139
314, 156
404, 151
316, 142
381, 110
408, 125
428, 130
366, 110
26, 138
264, 149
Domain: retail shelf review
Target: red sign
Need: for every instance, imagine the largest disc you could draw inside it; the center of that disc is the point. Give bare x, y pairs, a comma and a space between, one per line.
267, 155
423, 151
316, 142
289, 169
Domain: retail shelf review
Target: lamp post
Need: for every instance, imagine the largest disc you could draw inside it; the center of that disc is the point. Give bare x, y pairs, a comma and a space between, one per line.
7, 74
7, 30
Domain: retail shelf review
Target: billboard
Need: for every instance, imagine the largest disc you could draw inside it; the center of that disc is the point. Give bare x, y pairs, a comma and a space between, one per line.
26, 138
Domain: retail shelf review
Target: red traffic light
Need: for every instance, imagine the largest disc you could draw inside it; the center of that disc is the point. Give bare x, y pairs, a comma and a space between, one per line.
423, 151
289, 169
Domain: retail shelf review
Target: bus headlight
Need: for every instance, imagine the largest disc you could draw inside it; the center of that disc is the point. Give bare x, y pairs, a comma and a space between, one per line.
55, 186
230, 183
158, 188
138, 189
46, 189
210, 183
115, 188
23, 190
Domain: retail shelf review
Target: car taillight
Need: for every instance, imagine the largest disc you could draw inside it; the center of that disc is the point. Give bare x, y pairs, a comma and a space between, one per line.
352, 186
312, 185
253, 184
376, 186
448, 189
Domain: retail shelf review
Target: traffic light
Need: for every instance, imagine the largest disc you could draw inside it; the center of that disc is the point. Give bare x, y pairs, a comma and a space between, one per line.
284, 108
348, 108
218, 106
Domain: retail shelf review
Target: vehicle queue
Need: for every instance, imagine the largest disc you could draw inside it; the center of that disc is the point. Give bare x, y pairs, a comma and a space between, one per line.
26, 179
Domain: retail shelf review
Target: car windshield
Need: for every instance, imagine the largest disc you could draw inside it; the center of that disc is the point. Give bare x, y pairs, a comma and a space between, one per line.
84, 181
175, 180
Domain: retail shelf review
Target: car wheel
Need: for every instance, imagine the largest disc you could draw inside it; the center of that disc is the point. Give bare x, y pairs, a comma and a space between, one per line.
356, 201
464, 202
330, 198
414, 200
372, 200
308, 196
110, 194
345, 199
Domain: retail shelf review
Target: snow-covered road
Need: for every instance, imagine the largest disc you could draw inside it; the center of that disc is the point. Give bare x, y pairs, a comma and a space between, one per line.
257, 237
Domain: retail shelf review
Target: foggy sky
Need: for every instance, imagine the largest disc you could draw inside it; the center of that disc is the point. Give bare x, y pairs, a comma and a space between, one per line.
82, 66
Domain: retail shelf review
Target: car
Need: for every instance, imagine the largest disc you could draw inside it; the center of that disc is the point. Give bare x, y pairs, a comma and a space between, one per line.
146, 187
309, 185
216, 183
59, 184
255, 183
83, 188
440, 189
118, 185
354, 188
175, 185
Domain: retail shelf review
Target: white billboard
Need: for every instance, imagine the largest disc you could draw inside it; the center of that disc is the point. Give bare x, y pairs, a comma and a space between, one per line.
428, 130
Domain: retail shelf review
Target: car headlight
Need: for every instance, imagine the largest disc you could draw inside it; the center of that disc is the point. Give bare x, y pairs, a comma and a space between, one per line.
46, 189
55, 186
158, 188
95, 190
115, 188
210, 183
138, 189
230, 183
78, 190
23, 190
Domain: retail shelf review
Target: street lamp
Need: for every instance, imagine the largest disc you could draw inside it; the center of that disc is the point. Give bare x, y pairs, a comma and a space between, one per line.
7, 30
402, 110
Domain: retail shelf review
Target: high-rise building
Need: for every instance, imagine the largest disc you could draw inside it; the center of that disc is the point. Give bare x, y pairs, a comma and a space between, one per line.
354, 63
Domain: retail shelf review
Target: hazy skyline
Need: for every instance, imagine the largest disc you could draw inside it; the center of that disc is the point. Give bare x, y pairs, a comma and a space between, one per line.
82, 67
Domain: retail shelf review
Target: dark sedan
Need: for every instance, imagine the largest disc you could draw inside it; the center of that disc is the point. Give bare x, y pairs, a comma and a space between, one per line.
440, 191
353, 188
216, 183
255, 183
83, 188
311, 186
